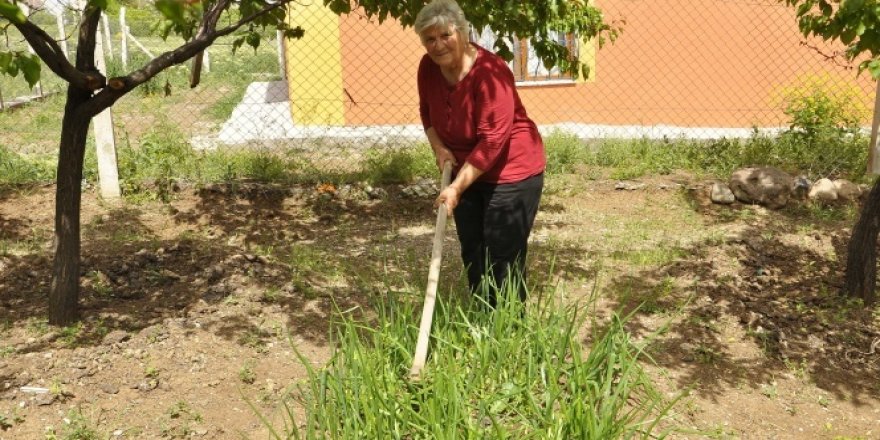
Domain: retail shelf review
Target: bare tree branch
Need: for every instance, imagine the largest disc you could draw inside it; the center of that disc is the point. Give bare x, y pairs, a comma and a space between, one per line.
834, 57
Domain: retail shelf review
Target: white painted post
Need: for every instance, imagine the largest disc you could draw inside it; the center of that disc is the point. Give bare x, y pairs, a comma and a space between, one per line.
62, 34
874, 148
206, 61
282, 60
106, 24
123, 43
105, 142
39, 87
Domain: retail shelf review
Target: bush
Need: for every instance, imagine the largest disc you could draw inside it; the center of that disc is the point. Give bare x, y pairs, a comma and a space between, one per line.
162, 157
819, 103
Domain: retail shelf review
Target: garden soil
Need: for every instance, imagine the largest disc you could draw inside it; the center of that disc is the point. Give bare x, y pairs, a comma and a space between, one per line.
192, 308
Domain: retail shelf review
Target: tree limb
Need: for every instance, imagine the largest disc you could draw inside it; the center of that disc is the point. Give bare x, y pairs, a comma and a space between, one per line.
210, 19
88, 28
233, 27
50, 52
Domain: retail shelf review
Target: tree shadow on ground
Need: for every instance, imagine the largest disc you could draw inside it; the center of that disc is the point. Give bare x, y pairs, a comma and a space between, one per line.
13, 230
236, 252
785, 294
16, 229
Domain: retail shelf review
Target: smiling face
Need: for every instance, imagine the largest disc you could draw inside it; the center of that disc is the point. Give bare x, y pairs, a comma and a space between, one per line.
444, 45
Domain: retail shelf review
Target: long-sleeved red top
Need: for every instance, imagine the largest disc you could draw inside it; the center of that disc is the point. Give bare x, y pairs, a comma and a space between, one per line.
481, 119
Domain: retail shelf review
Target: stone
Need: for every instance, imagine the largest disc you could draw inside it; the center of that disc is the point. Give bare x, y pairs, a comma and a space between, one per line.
629, 186
766, 186
801, 188
377, 193
116, 337
45, 399
721, 194
147, 385
823, 191
847, 190
423, 189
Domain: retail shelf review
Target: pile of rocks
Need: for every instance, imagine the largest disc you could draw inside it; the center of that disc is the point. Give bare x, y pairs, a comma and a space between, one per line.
773, 188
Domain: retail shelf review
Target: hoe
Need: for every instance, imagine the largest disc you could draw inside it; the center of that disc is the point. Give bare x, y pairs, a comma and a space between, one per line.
433, 278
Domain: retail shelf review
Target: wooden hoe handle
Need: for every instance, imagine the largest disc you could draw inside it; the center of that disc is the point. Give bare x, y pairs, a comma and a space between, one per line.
433, 279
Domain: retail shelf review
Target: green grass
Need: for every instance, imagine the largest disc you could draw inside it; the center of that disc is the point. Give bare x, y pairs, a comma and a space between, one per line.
653, 257
17, 168
565, 152
79, 427
503, 374
399, 166
822, 154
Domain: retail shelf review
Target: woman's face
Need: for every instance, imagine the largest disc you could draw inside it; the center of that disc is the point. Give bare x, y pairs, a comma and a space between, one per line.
444, 45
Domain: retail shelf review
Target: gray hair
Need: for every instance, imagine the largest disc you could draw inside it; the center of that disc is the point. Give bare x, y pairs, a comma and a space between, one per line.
442, 13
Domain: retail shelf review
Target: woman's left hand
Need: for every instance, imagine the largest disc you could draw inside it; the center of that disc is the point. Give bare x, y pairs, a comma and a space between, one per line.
449, 197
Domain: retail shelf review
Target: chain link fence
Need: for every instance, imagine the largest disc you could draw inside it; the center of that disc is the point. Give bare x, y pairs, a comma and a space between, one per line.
346, 92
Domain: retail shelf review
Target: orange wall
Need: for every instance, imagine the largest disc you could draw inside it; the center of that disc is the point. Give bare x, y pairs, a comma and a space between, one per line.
700, 63
379, 66
694, 63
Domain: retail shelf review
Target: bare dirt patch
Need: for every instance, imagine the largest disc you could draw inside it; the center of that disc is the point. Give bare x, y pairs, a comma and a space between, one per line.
187, 306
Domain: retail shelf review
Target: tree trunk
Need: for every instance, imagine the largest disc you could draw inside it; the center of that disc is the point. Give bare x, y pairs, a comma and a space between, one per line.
861, 261
64, 298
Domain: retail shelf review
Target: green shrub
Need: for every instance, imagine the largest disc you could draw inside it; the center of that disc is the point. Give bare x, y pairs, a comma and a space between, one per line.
162, 157
817, 103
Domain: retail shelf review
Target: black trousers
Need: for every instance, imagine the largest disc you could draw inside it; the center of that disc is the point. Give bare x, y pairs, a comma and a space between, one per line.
493, 222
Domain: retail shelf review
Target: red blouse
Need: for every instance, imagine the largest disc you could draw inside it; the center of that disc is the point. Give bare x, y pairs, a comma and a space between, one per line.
481, 119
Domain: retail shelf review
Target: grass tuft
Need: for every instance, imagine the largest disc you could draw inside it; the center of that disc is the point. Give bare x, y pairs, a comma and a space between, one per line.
511, 373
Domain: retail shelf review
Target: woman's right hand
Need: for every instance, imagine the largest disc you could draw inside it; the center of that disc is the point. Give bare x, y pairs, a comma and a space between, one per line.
443, 154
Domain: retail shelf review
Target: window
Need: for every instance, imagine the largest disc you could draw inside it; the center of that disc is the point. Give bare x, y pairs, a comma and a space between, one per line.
526, 66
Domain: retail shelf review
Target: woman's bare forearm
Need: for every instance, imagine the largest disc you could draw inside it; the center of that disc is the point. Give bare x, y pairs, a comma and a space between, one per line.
467, 175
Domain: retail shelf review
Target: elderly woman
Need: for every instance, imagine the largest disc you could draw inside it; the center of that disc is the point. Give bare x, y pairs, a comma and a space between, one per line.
474, 118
